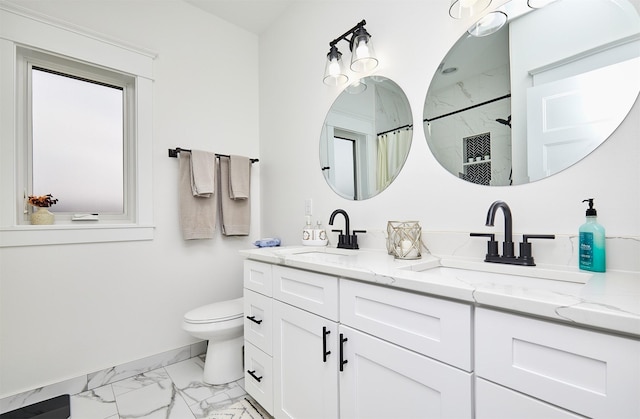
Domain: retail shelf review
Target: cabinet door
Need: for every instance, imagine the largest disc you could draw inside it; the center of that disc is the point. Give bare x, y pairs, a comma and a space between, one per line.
306, 375
382, 380
496, 402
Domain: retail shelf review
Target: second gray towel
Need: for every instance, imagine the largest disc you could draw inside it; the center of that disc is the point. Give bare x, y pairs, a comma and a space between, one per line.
235, 214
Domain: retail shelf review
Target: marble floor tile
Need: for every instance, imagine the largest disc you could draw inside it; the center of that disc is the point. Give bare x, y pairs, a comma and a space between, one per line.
245, 408
219, 402
187, 377
139, 381
159, 400
99, 403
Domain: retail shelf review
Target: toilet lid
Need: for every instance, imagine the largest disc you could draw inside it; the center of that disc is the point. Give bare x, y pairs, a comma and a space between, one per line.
216, 312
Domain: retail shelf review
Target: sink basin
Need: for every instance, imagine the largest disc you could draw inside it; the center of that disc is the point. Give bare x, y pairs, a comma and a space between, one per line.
494, 272
326, 254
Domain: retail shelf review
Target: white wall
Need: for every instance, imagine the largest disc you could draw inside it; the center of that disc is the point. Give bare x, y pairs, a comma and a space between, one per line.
411, 38
75, 309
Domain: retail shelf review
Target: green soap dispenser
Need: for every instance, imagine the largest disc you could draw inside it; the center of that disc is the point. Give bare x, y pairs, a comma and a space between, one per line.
592, 242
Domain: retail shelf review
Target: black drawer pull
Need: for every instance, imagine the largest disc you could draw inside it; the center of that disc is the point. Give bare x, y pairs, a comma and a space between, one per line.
342, 360
253, 319
252, 373
325, 332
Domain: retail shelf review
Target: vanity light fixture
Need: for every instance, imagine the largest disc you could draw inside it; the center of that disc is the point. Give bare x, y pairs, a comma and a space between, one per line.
363, 58
462, 9
490, 23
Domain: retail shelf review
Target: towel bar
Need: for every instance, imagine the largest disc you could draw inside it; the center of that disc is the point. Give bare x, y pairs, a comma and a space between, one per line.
173, 152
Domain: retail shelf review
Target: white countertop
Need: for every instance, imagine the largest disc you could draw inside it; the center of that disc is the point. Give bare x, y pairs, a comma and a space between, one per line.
609, 301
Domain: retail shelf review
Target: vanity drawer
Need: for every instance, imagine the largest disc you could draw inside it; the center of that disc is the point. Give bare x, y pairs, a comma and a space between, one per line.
258, 320
258, 277
258, 376
588, 372
497, 402
314, 292
437, 328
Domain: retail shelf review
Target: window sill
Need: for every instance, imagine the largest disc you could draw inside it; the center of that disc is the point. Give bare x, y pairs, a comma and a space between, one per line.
29, 235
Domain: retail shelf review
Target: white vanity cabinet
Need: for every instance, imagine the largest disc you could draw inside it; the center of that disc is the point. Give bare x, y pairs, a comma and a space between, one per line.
563, 368
347, 349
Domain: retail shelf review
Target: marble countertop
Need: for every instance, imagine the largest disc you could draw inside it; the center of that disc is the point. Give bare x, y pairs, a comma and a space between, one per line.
609, 301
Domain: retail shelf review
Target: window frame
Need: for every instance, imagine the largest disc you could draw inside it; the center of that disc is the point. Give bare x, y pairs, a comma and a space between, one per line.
23, 30
29, 58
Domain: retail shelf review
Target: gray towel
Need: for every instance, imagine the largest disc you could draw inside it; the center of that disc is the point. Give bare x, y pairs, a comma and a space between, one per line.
235, 214
197, 214
239, 177
203, 165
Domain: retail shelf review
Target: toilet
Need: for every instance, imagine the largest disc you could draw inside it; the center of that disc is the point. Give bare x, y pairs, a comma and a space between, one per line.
222, 325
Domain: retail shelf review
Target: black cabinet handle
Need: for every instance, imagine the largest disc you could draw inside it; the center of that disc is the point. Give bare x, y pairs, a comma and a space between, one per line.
325, 332
342, 360
253, 319
252, 373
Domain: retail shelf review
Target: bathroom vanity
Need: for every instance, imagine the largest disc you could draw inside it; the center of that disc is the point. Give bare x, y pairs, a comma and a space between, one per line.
357, 334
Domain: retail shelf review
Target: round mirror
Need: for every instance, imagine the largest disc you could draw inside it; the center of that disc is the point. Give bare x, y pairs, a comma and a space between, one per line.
366, 138
538, 95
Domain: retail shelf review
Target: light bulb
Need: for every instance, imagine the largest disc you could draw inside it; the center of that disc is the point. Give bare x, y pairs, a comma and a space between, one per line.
362, 50
334, 67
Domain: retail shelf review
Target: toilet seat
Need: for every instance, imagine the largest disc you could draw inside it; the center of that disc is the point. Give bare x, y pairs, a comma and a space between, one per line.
216, 312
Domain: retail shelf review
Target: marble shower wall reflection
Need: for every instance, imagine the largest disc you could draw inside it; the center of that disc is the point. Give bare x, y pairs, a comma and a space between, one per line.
446, 133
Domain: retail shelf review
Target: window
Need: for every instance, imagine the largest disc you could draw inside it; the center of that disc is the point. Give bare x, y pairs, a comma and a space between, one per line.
75, 121
78, 134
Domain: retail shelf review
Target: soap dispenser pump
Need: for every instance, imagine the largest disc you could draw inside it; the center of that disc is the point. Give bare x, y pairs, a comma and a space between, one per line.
592, 242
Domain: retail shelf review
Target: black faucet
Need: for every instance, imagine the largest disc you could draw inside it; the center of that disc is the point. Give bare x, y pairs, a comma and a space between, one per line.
507, 246
345, 241
508, 255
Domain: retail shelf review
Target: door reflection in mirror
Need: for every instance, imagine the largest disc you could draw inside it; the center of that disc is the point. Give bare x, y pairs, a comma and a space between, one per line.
344, 166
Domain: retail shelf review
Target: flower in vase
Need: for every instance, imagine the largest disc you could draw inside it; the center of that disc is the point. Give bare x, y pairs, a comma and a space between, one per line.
42, 201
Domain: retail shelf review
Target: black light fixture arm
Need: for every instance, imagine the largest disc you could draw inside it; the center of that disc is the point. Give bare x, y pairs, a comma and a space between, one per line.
347, 33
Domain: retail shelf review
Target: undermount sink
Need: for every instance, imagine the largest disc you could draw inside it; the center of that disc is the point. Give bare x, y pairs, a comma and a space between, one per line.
327, 254
474, 271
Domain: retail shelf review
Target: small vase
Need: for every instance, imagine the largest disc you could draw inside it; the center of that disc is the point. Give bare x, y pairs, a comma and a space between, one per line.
42, 217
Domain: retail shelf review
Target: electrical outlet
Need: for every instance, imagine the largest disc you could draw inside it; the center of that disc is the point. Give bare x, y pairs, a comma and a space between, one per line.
308, 206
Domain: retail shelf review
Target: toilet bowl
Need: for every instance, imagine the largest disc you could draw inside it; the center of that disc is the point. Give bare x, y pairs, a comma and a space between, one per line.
222, 325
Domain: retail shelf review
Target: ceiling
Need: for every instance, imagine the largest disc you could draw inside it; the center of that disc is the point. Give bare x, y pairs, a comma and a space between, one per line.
253, 15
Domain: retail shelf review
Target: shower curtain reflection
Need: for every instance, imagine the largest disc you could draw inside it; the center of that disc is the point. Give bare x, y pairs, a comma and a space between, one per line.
393, 147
